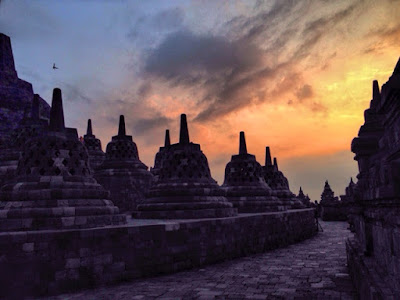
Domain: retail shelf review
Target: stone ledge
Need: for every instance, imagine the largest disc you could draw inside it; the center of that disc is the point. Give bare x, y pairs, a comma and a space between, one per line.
52, 262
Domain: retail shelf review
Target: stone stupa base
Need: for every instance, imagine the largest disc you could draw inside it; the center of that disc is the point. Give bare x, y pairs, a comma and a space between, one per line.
289, 200
57, 204
186, 208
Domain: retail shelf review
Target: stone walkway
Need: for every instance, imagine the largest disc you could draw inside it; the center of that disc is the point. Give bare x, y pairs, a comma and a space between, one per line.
313, 269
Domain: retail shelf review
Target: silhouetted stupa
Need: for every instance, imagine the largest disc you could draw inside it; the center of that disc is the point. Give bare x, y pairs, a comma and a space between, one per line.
54, 188
158, 161
16, 95
93, 145
185, 188
245, 186
30, 126
327, 194
122, 173
278, 182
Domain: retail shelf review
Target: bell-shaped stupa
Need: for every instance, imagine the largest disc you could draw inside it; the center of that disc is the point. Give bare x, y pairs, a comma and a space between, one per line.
185, 188
54, 188
278, 182
30, 126
93, 145
122, 173
245, 186
158, 161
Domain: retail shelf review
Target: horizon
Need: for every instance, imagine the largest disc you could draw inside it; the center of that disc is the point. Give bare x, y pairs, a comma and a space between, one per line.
304, 74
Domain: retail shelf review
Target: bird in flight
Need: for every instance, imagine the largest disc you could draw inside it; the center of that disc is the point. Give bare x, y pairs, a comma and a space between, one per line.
54, 66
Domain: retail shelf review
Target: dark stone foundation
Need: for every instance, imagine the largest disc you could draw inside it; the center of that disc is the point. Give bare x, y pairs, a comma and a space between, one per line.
51, 262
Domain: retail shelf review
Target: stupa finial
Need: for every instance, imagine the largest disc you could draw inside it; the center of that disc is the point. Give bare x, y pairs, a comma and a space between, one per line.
376, 94
184, 132
89, 127
57, 112
268, 161
276, 163
121, 127
167, 139
242, 143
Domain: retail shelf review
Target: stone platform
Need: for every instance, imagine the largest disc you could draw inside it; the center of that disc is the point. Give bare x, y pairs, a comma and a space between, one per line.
311, 269
51, 262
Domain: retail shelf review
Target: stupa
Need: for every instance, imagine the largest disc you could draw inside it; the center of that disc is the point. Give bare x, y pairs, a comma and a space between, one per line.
349, 192
278, 182
16, 95
327, 195
158, 161
30, 126
54, 188
245, 186
122, 172
303, 198
93, 145
185, 188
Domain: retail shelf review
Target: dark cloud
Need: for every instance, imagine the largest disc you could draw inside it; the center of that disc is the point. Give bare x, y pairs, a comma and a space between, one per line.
157, 122
304, 92
238, 69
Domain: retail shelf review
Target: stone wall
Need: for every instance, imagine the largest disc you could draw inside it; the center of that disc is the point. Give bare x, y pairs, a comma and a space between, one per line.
374, 257
51, 262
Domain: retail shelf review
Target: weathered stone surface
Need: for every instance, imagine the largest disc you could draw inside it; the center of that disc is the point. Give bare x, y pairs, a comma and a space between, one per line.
30, 126
122, 172
51, 262
16, 95
93, 145
373, 257
245, 186
185, 188
278, 182
54, 188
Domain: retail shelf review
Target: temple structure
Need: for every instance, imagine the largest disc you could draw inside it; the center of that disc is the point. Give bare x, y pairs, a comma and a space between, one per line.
328, 195
158, 161
93, 145
185, 188
304, 198
375, 250
245, 186
122, 172
349, 192
54, 188
30, 126
278, 182
16, 95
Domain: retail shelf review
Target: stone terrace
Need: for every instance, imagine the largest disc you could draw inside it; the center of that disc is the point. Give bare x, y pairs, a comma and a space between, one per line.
312, 269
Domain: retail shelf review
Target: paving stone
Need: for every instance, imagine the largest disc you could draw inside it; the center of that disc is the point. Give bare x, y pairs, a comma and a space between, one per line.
253, 277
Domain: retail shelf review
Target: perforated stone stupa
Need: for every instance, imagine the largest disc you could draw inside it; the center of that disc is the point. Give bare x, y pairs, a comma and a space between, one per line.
54, 188
30, 126
185, 188
93, 145
244, 183
278, 182
122, 172
158, 161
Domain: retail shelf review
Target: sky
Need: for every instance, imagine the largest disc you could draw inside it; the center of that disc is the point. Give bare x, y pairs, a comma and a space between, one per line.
294, 75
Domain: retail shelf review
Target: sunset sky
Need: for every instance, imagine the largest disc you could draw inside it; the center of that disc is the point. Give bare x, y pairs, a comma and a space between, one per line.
294, 75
